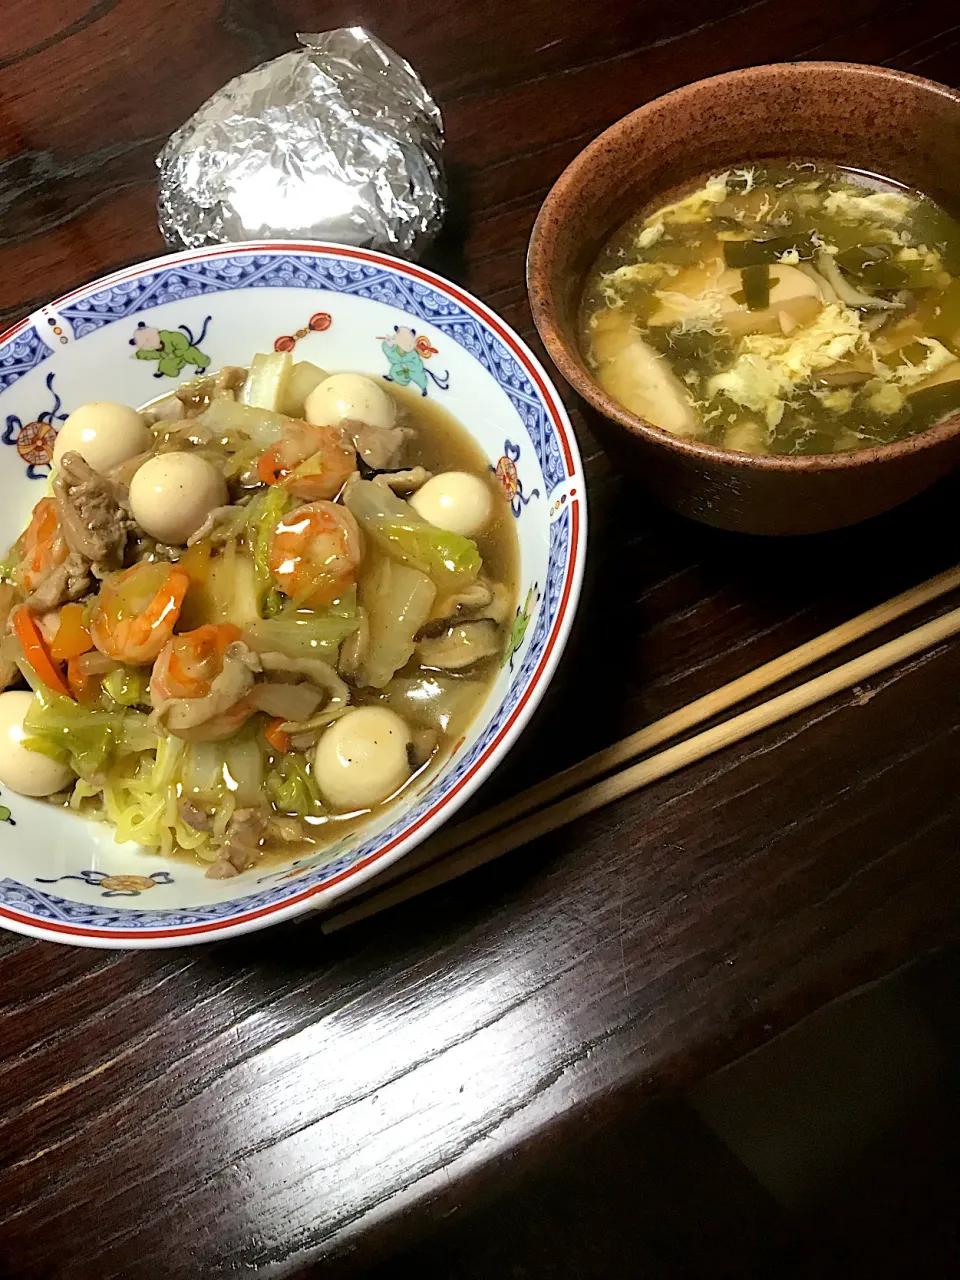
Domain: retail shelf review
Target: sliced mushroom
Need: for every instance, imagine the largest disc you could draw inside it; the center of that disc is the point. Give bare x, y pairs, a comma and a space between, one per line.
500, 606
401, 482
288, 701
468, 599
461, 645
826, 289
481, 599
320, 674
353, 651
846, 292
421, 747
879, 320
316, 670
843, 375
795, 299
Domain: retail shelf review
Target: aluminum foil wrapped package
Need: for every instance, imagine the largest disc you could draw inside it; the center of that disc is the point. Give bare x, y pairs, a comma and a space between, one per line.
338, 140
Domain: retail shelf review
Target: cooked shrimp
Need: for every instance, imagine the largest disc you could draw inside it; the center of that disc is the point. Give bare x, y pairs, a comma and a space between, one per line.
188, 663
314, 552
312, 462
136, 611
201, 681
44, 546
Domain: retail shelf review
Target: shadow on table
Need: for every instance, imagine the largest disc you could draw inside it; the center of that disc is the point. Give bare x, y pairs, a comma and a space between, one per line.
629, 1188
670, 609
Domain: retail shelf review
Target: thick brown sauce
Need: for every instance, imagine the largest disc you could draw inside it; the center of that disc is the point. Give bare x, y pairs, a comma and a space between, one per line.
441, 443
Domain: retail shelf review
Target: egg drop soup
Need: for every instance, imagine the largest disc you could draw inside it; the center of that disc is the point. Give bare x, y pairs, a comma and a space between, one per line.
787, 308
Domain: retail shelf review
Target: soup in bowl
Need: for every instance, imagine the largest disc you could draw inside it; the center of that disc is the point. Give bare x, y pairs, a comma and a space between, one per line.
754, 280
789, 309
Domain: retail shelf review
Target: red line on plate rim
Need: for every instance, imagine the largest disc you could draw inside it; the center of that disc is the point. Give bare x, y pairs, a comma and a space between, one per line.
40, 925
15, 329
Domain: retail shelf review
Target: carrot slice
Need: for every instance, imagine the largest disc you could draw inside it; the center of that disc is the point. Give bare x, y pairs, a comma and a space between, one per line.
83, 687
72, 636
36, 653
269, 468
278, 739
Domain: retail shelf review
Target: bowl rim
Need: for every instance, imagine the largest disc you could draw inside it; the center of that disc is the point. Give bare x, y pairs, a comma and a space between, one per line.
567, 357
315, 897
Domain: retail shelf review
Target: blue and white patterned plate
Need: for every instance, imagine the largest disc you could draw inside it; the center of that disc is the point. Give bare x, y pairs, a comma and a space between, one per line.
137, 333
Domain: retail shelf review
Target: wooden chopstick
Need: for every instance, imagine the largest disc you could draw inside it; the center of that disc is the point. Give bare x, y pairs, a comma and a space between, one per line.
665, 762
687, 717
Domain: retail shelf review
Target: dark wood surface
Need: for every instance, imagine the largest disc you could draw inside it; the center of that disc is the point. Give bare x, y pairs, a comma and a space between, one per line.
272, 1102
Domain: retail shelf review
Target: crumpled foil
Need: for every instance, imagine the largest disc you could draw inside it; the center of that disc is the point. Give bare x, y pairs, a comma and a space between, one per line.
336, 141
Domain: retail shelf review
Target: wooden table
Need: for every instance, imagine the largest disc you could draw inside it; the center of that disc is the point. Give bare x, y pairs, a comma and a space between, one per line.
272, 1101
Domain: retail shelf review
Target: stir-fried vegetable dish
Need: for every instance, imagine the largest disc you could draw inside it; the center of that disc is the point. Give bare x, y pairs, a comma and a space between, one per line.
791, 308
249, 615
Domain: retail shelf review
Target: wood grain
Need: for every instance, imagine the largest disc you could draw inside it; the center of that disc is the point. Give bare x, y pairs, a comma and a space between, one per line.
289, 1099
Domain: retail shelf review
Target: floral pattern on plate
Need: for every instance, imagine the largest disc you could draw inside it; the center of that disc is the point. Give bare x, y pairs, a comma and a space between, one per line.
492, 383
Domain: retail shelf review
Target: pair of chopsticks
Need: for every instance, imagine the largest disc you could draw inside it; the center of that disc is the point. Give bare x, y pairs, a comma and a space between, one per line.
576, 791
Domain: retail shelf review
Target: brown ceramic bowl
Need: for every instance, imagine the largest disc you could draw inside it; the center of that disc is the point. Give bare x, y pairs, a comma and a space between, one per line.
869, 118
